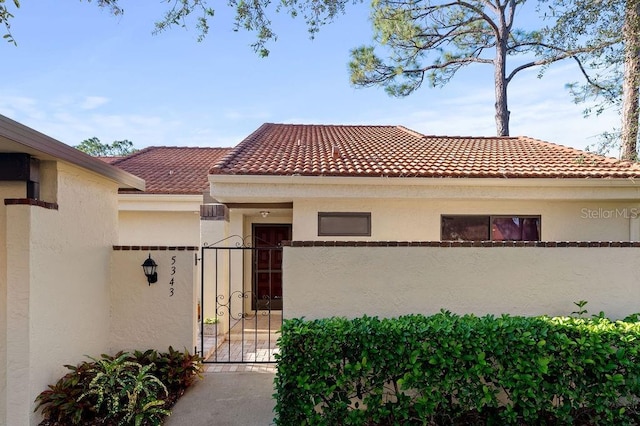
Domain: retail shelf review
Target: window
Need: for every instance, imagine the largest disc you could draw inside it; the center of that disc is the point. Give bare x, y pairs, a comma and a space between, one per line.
494, 228
344, 224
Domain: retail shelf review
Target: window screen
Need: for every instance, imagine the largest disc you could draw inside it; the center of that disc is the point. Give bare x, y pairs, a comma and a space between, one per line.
486, 227
344, 224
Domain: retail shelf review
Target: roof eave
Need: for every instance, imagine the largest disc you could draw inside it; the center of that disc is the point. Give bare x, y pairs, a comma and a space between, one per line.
46, 147
440, 181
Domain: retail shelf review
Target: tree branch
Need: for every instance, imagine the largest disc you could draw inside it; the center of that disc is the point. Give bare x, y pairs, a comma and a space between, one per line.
453, 62
545, 61
592, 82
481, 13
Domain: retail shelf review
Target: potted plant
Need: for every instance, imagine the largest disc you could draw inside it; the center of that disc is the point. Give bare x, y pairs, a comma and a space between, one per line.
210, 326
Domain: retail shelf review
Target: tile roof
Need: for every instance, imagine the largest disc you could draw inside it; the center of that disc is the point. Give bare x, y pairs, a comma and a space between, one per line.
172, 170
110, 160
395, 151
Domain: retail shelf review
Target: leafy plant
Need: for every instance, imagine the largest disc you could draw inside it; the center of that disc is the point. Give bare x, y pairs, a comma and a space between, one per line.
125, 389
632, 318
126, 392
581, 308
210, 320
177, 370
61, 401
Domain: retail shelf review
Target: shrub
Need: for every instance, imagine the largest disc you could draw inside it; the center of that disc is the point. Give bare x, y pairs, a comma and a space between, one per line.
448, 369
177, 370
126, 392
125, 389
61, 402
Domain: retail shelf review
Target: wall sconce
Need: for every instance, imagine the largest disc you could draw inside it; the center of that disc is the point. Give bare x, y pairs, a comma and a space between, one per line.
264, 213
149, 267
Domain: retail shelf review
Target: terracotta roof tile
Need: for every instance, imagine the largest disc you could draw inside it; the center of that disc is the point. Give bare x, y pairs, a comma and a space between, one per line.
172, 170
395, 151
110, 160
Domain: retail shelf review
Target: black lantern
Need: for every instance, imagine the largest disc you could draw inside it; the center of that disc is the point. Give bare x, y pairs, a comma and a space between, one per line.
149, 267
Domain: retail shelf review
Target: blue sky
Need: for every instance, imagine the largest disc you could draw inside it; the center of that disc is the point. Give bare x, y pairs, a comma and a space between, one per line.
79, 72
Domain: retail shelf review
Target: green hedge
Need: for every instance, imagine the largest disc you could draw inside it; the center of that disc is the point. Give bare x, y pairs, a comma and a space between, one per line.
448, 369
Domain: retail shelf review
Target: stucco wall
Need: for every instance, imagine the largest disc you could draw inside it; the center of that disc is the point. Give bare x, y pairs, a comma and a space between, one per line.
391, 281
419, 220
216, 270
153, 316
58, 285
159, 228
19, 378
7, 190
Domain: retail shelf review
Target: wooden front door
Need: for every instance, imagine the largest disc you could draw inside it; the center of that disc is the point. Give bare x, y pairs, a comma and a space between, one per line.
267, 265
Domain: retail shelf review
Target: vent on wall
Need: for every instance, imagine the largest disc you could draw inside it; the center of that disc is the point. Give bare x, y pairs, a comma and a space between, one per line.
214, 212
22, 168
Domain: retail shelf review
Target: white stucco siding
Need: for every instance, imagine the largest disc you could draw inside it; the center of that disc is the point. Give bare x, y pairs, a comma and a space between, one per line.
49, 181
153, 316
159, 219
159, 228
216, 269
410, 208
390, 281
419, 220
7, 190
60, 300
19, 376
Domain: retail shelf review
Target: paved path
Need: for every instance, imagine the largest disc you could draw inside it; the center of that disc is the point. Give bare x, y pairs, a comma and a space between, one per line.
242, 398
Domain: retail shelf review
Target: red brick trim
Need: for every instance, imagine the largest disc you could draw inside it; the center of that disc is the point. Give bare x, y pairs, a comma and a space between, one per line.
461, 243
30, 202
156, 248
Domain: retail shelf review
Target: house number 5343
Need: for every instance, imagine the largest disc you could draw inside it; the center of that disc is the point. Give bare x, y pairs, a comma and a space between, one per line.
173, 273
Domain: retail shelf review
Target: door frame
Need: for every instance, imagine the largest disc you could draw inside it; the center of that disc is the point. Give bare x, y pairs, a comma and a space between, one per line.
275, 304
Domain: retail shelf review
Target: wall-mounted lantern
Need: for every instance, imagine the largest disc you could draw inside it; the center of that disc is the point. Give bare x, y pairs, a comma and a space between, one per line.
264, 213
149, 267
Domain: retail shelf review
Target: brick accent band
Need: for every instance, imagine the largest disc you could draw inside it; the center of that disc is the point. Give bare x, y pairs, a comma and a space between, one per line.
461, 243
156, 248
30, 202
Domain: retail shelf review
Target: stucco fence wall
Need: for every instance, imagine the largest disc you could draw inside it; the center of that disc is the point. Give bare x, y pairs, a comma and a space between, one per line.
351, 281
153, 316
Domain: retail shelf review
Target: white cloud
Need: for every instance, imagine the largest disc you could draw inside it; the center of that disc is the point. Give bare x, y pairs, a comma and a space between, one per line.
237, 115
13, 106
93, 102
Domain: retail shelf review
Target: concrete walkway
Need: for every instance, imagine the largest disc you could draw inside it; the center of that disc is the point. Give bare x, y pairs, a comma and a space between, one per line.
243, 398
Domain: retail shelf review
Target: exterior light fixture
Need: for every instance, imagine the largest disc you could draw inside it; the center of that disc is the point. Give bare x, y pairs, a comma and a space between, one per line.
149, 267
264, 213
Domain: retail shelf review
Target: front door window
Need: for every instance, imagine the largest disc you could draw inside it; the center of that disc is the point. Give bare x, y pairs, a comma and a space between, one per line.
267, 265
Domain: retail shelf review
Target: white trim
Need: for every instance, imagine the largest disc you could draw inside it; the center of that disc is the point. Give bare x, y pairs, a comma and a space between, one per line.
227, 189
159, 202
476, 182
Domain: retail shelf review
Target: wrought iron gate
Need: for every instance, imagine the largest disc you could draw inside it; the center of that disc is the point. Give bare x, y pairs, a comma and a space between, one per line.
240, 301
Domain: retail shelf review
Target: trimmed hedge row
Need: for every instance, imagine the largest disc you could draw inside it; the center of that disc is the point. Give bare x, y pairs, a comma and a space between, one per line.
447, 369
